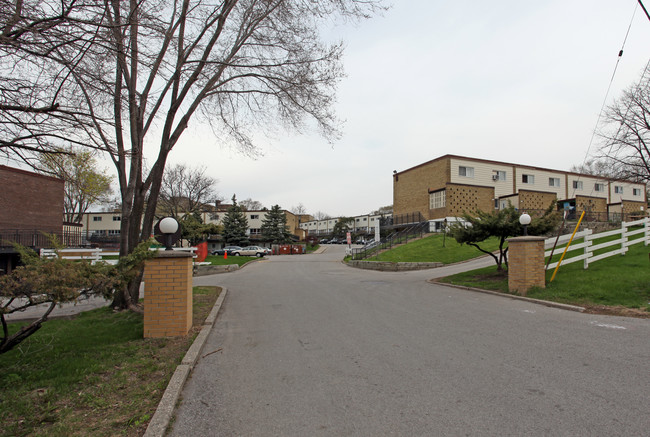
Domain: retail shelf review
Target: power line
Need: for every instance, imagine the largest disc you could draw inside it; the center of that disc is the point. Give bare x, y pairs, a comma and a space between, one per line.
609, 87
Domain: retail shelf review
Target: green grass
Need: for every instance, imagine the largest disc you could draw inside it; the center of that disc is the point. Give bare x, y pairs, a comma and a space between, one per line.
616, 281
93, 374
435, 248
218, 260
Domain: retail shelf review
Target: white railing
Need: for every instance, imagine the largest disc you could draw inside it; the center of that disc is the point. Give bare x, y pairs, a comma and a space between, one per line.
95, 255
588, 247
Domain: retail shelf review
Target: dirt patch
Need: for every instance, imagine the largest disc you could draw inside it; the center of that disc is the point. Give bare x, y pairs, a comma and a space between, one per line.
616, 311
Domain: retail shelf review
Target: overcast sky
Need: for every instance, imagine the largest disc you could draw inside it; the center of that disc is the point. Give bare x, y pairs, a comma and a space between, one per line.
506, 80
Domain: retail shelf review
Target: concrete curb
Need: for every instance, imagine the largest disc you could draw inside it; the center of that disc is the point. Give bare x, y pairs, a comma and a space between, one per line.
165, 410
562, 306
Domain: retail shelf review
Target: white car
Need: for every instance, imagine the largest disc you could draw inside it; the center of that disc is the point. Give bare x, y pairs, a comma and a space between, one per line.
250, 251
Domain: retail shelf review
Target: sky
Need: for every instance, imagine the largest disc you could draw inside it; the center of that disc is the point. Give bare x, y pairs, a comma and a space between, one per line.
506, 80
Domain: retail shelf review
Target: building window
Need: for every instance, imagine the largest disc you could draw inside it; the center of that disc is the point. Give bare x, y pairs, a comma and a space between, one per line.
577, 185
527, 179
467, 172
599, 187
255, 231
255, 217
97, 219
438, 199
113, 232
618, 189
636, 191
553, 182
499, 175
117, 218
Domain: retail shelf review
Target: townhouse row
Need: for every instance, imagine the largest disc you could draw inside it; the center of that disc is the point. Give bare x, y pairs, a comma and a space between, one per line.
448, 186
361, 224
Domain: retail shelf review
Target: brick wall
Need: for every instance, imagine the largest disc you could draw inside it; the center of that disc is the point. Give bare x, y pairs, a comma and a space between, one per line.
535, 200
591, 204
411, 187
468, 199
30, 201
168, 295
526, 267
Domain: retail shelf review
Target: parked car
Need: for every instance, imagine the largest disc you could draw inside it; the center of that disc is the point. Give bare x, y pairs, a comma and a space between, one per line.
269, 251
250, 251
229, 249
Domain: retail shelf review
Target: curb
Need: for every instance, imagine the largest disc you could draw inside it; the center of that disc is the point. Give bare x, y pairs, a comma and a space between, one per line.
165, 410
562, 306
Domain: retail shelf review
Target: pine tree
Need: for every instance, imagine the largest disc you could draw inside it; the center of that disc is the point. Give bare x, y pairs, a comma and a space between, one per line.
274, 226
235, 225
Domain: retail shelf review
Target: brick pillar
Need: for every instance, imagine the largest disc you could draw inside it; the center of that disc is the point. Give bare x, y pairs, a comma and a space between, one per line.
526, 266
168, 294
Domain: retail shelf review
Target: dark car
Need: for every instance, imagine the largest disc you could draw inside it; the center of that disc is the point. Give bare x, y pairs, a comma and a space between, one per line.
229, 249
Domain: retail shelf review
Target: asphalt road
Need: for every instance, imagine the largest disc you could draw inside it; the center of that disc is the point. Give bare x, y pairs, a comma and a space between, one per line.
310, 347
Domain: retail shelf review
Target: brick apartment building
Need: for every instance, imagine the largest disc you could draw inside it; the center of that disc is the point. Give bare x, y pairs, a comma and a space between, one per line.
448, 186
30, 205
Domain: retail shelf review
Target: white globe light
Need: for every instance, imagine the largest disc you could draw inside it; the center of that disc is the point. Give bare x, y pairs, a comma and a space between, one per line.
524, 219
168, 225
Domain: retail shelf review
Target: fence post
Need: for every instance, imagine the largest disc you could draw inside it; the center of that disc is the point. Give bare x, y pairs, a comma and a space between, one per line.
646, 228
623, 238
588, 241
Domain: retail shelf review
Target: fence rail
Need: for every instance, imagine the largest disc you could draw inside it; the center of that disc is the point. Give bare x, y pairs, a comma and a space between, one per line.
589, 250
97, 255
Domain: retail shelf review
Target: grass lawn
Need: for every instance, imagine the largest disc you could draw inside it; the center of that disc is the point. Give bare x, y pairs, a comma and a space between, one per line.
93, 374
218, 260
618, 281
435, 248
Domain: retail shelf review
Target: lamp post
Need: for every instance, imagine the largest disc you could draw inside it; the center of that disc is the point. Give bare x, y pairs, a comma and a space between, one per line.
524, 219
168, 226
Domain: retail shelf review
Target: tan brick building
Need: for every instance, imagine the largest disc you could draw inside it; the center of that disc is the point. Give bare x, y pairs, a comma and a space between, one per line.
448, 186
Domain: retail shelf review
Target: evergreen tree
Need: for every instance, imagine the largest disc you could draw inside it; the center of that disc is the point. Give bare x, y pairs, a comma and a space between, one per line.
235, 225
274, 226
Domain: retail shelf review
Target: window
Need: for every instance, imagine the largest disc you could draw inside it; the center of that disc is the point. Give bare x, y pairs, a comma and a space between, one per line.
599, 187
255, 217
467, 172
117, 218
438, 199
577, 185
499, 175
636, 191
618, 189
553, 182
97, 219
527, 179
255, 231
114, 232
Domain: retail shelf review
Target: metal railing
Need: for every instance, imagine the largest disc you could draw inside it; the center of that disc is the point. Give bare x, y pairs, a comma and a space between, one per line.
402, 219
37, 239
411, 233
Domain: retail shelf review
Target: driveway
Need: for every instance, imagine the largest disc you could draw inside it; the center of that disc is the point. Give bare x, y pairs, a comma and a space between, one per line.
306, 346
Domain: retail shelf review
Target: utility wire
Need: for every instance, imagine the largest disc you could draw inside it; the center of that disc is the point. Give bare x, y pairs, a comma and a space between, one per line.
644, 10
609, 87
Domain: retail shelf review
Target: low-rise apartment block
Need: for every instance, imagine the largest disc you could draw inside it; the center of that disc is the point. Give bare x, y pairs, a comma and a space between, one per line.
361, 224
451, 185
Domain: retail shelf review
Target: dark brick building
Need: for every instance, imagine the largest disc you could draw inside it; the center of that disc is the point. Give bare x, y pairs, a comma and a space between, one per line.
30, 205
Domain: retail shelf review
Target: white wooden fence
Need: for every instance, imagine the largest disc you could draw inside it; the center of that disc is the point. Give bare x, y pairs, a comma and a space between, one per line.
95, 255
587, 246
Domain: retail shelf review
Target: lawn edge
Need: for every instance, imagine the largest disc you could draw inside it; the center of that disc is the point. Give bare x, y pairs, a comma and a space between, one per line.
165, 410
547, 303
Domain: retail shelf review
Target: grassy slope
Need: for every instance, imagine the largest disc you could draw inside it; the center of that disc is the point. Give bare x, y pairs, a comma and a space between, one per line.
435, 248
93, 374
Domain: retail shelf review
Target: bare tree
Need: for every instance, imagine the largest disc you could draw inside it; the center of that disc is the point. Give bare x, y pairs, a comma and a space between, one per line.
299, 210
320, 215
125, 76
251, 205
626, 132
185, 190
